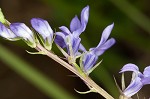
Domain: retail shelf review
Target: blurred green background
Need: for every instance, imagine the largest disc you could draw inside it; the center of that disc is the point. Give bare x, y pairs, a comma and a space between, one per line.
25, 76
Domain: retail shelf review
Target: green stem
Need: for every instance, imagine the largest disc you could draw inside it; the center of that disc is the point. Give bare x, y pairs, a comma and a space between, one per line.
123, 97
86, 78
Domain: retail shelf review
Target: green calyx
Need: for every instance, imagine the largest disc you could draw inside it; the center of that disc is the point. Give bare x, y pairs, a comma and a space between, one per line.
2, 18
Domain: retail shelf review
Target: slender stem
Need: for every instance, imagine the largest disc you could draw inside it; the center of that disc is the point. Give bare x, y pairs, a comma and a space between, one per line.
86, 78
123, 97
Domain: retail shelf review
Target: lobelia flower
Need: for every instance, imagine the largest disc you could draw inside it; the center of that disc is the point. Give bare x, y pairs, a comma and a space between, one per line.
90, 57
138, 79
22, 31
70, 38
44, 29
6, 33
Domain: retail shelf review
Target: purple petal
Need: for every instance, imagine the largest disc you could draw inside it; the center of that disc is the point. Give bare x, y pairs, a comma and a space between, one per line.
84, 17
75, 24
98, 52
106, 34
129, 67
91, 49
60, 39
89, 59
42, 27
21, 30
84, 21
101, 49
108, 44
5, 32
147, 71
146, 80
133, 87
82, 48
65, 30
75, 44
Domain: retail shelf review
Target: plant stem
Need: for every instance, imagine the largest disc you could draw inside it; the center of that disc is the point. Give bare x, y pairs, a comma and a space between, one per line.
123, 97
85, 78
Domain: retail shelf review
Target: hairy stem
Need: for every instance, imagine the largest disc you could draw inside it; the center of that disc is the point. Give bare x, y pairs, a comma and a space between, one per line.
85, 78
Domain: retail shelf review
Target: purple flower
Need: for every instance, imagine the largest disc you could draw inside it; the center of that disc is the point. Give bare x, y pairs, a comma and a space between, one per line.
70, 38
88, 61
138, 79
44, 29
90, 57
6, 33
22, 31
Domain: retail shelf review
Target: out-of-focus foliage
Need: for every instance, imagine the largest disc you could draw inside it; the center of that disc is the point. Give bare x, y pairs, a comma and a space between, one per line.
131, 30
32, 75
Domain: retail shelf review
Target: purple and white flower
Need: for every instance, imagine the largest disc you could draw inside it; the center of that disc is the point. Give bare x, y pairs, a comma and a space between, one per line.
90, 57
138, 79
22, 31
70, 38
6, 32
45, 30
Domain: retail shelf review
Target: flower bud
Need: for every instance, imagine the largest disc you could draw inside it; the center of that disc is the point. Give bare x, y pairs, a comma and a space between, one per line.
22, 31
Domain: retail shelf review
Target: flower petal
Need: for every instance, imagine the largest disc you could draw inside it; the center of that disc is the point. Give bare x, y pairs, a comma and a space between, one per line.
106, 34
60, 39
5, 32
82, 48
42, 27
21, 30
133, 87
75, 24
89, 60
84, 21
147, 71
84, 17
129, 67
65, 30
108, 44
75, 44
146, 80
101, 49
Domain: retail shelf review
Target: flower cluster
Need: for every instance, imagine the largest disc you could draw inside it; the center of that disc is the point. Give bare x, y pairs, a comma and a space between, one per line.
138, 79
68, 39
17, 31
